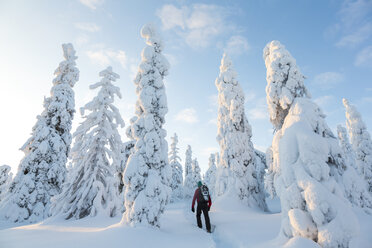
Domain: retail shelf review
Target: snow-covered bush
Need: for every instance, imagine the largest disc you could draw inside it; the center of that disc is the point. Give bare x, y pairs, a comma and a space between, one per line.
306, 158
354, 186
210, 175
5, 180
361, 142
260, 169
147, 174
237, 174
188, 187
92, 188
177, 177
42, 171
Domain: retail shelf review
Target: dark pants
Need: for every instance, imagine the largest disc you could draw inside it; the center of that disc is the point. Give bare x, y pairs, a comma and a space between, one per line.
203, 207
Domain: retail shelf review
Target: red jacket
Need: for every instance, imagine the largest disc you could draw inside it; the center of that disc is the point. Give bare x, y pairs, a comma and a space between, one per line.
196, 197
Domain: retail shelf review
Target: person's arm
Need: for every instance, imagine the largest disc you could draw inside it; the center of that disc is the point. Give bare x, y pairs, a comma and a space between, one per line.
194, 199
209, 202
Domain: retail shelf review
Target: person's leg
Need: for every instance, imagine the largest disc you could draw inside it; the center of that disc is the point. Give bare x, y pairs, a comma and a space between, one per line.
198, 219
206, 217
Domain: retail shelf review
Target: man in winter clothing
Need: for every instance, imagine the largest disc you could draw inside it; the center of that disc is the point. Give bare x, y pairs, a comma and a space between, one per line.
203, 205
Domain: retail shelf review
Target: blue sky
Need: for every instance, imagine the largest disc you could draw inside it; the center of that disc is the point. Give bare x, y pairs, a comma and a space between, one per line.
331, 41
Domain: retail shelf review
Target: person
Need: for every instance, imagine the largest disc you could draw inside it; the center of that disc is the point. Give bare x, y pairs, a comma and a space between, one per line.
203, 206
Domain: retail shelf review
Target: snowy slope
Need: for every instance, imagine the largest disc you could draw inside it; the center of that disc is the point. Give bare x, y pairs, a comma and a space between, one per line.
237, 226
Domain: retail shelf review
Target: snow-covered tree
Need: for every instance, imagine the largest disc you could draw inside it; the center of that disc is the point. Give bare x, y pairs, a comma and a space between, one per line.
125, 153
354, 186
237, 174
5, 180
177, 177
188, 187
196, 173
92, 188
269, 176
42, 171
147, 174
210, 175
260, 169
361, 142
307, 159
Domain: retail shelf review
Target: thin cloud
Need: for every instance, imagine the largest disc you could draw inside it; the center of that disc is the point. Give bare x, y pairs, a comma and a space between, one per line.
197, 25
323, 101
236, 45
354, 25
92, 4
259, 111
187, 115
328, 80
88, 26
105, 57
364, 57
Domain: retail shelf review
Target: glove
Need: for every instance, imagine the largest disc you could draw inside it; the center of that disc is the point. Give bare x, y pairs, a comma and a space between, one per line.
193, 209
209, 208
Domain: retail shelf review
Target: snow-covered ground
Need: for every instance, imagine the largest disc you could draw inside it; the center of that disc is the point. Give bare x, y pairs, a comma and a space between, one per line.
236, 226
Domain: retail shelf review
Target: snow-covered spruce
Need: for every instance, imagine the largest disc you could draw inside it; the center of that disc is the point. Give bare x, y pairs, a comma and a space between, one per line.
361, 142
270, 173
127, 149
196, 173
210, 175
306, 158
147, 174
5, 180
237, 175
92, 188
188, 187
177, 177
42, 171
354, 186
261, 169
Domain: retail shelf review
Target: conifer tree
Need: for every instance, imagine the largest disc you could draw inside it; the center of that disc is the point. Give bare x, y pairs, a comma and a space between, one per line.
188, 186
306, 158
147, 174
93, 187
5, 180
196, 173
42, 171
361, 142
177, 179
238, 175
210, 175
354, 186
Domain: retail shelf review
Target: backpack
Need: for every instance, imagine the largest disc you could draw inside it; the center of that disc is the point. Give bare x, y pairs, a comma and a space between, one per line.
204, 194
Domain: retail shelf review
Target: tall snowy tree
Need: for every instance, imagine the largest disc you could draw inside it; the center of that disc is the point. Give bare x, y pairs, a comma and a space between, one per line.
306, 158
5, 180
269, 176
196, 173
210, 175
361, 142
238, 174
125, 153
261, 168
93, 188
147, 174
188, 187
354, 186
42, 171
177, 177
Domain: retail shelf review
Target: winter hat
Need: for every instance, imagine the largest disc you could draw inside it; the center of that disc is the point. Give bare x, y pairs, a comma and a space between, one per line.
199, 184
